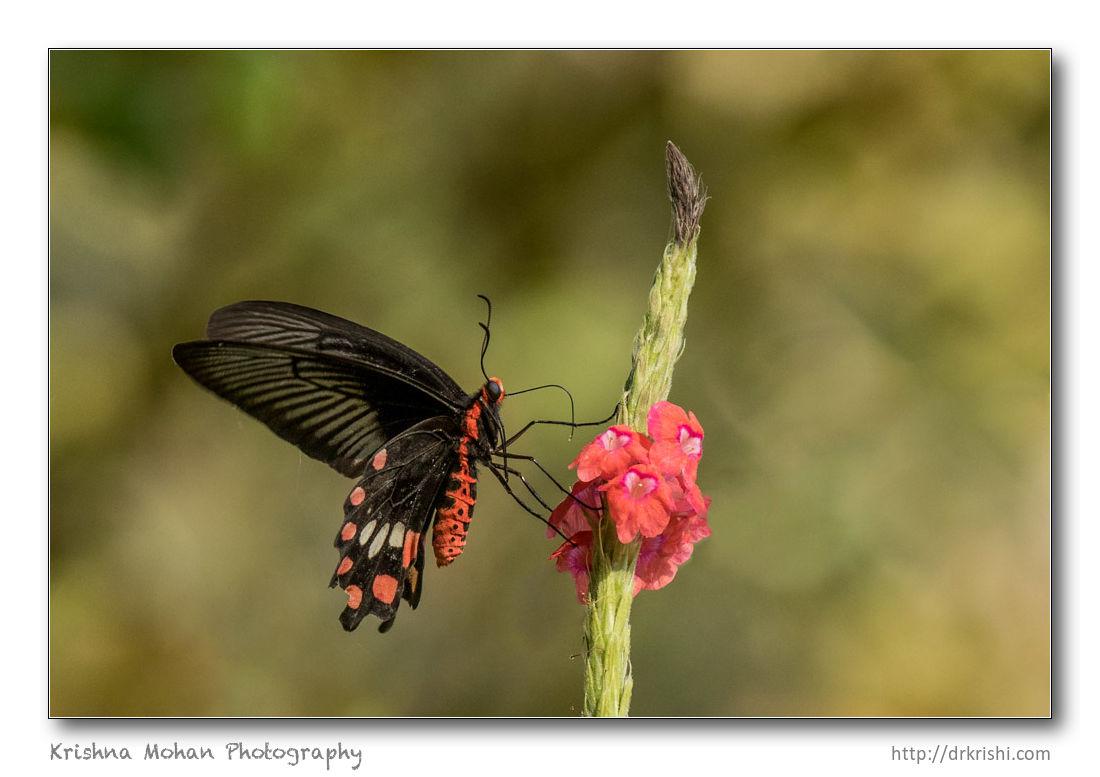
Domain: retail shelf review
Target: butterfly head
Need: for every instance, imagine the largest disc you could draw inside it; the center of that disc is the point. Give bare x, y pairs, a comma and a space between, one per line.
483, 418
493, 392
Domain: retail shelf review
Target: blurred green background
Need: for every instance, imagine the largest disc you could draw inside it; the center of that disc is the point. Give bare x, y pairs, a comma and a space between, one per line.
868, 349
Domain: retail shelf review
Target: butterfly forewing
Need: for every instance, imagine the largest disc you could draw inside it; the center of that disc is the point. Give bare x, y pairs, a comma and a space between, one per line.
333, 409
306, 329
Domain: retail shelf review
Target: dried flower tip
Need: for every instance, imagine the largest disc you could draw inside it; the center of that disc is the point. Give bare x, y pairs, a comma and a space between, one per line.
686, 190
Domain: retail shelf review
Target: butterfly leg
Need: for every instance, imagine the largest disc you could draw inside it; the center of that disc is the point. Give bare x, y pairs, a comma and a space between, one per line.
544, 471
572, 424
501, 471
493, 467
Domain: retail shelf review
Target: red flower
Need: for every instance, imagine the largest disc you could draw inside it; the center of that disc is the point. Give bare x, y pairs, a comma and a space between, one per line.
639, 500
688, 497
575, 558
677, 440
610, 453
660, 556
572, 515
647, 487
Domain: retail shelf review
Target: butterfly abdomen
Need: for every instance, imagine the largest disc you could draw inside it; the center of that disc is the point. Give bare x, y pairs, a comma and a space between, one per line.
456, 508
456, 504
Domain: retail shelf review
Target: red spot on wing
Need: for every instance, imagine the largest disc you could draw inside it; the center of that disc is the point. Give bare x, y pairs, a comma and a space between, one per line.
379, 460
384, 588
355, 596
345, 565
412, 540
357, 496
348, 531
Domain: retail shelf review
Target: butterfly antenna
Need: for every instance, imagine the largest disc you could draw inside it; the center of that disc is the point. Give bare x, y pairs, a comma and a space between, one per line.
572, 409
485, 325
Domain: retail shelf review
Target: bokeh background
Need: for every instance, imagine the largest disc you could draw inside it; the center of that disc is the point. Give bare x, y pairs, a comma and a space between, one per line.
868, 349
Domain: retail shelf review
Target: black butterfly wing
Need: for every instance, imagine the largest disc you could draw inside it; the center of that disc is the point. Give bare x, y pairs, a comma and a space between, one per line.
295, 326
386, 519
333, 388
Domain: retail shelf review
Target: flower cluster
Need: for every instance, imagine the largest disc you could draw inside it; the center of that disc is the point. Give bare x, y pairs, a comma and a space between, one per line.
646, 485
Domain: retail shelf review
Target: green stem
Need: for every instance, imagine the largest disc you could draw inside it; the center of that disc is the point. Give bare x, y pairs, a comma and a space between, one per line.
607, 677
657, 346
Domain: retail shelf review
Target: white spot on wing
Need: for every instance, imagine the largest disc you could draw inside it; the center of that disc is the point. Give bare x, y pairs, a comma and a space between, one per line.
376, 545
366, 532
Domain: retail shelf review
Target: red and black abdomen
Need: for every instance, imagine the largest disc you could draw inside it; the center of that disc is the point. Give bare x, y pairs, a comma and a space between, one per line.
456, 504
456, 508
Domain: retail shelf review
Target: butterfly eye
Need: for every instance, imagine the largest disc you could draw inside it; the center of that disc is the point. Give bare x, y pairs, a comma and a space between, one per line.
494, 389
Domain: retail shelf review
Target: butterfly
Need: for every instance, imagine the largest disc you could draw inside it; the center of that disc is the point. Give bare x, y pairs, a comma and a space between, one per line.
372, 409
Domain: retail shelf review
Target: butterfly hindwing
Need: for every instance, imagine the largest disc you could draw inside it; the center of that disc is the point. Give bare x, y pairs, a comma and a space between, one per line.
386, 518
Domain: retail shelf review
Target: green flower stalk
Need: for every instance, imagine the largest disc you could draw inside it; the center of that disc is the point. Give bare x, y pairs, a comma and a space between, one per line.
657, 346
